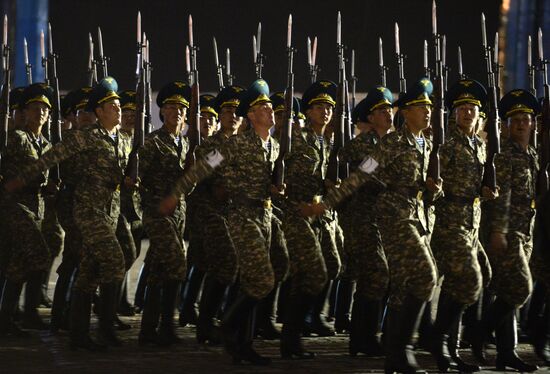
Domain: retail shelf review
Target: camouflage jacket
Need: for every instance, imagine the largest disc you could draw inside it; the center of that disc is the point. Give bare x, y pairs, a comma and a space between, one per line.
24, 149
101, 163
208, 145
306, 166
68, 168
462, 173
514, 209
161, 164
399, 165
246, 169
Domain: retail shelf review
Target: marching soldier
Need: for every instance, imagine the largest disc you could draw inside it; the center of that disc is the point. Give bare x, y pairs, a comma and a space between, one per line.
367, 262
16, 120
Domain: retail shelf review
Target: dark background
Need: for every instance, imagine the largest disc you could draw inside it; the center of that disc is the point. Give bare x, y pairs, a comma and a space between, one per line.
234, 22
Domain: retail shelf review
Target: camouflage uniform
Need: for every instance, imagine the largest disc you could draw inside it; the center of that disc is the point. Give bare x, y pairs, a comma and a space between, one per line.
161, 163
513, 213
455, 240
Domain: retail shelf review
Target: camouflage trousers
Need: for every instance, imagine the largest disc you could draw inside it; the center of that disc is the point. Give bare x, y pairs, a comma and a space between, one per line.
51, 228
308, 270
24, 249
250, 230
102, 259
332, 243
344, 238
72, 244
278, 250
126, 240
367, 261
200, 214
411, 265
511, 274
456, 251
166, 255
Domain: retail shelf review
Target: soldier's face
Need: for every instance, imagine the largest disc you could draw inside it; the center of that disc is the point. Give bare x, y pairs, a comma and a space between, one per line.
128, 121
18, 119
84, 118
209, 124
262, 115
109, 113
279, 119
520, 126
174, 114
320, 113
382, 118
229, 121
467, 117
418, 116
36, 114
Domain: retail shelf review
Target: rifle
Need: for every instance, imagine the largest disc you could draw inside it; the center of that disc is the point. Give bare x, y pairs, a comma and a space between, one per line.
461, 74
148, 91
56, 117
102, 58
28, 66
286, 132
6, 88
92, 65
188, 66
194, 133
219, 68
228, 77
444, 61
383, 69
531, 68
353, 79
427, 70
542, 180
132, 170
438, 124
311, 59
259, 57
400, 63
336, 169
493, 120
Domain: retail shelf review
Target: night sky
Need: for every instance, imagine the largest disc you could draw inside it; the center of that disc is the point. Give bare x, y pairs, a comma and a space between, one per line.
234, 22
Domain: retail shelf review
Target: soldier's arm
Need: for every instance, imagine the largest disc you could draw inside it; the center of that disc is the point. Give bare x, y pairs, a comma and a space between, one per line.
500, 207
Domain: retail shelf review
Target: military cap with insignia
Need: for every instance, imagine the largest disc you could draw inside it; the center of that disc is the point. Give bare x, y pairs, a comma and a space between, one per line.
377, 97
207, 103
257, 93
278, 100
15, 97
82, 95
67, 103
37, 92
174, 93
229, 96
518, 101
418, 93
323, 91
104, 91
466, 91
127, 100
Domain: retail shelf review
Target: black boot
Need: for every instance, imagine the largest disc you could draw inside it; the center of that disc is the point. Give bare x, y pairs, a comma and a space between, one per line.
108, 301
448, 313
539, 323
344, 297
80, 312
167, 332
291, 338
211, 299
425, 328
33, 295
234, 320
120, 325
452, 344
506, 338
139, 298
45, 300
365, 319
150, 316
318, 323
189, 295
246, 336
60, 302
267, 315
401, 327
10, 299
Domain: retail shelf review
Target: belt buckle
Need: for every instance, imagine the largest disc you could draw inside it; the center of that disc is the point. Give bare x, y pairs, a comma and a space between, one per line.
533, 204
419, 196
267, 204
476, 201
317, 199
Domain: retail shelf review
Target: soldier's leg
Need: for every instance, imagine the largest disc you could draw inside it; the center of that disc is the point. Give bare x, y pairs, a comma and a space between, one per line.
127, 243
166, 334
54, 236
10, 298
33, 294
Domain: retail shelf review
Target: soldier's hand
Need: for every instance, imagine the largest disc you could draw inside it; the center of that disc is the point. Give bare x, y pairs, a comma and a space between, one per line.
276, 191
168, 205
433, 186
330, 184
498, 241
488, 193
14, 184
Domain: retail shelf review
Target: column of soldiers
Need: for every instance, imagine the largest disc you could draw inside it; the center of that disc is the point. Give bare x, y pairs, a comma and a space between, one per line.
252, 244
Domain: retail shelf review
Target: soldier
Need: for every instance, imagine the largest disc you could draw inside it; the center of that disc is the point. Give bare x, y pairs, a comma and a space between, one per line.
512, 218
306, 168
103, 154
161, 162
209, 116
26, 256
16, 119
367, 261
399, 164
455, 238
247, 166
